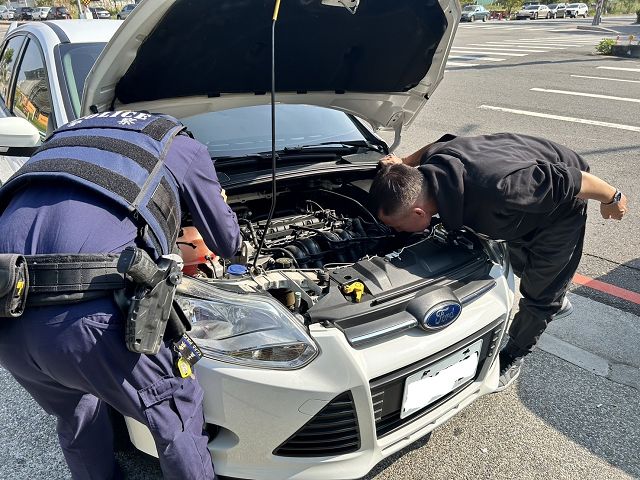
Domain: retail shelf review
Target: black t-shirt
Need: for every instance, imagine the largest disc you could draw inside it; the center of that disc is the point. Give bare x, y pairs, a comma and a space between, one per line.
503, 185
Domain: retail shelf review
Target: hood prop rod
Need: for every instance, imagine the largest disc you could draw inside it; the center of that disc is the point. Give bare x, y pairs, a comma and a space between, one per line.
274, 19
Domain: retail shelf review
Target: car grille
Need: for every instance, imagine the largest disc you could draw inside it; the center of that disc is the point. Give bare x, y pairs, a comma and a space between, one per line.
387, 391
332, 431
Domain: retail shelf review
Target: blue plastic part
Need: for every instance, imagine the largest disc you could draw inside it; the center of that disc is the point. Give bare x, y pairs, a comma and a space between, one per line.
236, 269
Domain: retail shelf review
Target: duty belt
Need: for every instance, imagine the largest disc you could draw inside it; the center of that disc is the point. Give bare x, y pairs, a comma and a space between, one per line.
39, 280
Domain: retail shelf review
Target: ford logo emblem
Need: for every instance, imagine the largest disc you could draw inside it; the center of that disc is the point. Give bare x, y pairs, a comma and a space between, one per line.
441, 315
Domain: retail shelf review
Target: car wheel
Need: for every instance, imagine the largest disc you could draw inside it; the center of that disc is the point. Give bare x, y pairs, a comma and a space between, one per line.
472, 18
535, 16
484, 19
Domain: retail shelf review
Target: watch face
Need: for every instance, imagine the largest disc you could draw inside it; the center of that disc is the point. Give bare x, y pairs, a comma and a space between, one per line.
617, 197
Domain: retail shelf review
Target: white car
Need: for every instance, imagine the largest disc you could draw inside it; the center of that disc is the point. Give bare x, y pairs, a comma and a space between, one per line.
40, 13
574, 10
348, 342
533, 12
7, 14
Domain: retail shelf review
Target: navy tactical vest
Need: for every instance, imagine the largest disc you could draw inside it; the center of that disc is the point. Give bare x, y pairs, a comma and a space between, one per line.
120, 155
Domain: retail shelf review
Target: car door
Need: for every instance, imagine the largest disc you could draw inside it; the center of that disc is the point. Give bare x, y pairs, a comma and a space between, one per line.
25, 92
10, 52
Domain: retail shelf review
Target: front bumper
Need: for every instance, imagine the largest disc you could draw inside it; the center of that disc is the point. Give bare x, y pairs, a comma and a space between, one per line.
340, 415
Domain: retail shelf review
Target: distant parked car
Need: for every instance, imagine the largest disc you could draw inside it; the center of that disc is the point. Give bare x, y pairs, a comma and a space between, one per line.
126, 10
23, 13
7, 13
58, 13
40, 13
471, 13
577, 10
100, 13
533, 12
558, 10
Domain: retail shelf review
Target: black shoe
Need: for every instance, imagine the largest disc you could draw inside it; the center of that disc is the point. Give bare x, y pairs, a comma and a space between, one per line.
565, 310
509, 370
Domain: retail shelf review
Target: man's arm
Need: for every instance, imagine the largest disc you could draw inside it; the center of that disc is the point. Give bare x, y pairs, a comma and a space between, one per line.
594, 188
205, 200
412, 160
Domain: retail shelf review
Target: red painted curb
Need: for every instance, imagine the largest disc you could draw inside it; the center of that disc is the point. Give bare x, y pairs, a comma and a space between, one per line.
607, 288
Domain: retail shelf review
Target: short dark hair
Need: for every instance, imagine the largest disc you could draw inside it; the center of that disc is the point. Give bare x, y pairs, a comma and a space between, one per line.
396, 187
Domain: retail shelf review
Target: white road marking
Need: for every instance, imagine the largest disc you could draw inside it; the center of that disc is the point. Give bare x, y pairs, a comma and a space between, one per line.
562, 118
592, 95
479, 51
621, 68
461, 64
544, 44
521, 45
607, 78
475, 57
505, 49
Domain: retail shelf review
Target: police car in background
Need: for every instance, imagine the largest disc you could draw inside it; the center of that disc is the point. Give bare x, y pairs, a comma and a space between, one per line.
339, 342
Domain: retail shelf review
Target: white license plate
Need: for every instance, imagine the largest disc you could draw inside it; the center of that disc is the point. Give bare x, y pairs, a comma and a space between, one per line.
439, 379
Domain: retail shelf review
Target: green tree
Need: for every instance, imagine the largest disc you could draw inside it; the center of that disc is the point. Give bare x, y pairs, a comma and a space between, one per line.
511, 5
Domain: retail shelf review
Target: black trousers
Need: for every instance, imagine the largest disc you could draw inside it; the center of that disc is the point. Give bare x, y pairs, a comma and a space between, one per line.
545, 260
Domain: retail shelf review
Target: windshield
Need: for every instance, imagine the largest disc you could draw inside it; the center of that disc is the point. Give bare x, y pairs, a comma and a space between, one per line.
247, 130
552, 5
62, 10
573, 5
469, 8
531, 7
77, 59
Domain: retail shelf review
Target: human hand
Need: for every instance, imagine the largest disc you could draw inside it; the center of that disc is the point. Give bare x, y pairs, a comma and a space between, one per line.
614, 210
389, 160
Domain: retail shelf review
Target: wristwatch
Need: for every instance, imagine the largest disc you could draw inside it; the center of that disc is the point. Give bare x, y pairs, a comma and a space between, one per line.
616, 198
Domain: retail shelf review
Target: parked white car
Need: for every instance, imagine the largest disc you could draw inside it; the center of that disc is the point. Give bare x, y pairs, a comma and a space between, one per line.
7, 14
40, 13
349, 342
577, 10
533, 12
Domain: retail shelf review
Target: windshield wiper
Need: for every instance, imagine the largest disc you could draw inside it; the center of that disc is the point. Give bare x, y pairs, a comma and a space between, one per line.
324, 145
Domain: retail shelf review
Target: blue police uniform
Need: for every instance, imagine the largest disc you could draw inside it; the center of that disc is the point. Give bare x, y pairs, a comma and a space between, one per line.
72, 358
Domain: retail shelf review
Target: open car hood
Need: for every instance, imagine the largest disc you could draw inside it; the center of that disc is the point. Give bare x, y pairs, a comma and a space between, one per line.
185, 57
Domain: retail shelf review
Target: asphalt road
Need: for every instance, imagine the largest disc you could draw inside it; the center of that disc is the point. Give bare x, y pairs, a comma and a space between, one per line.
573, 413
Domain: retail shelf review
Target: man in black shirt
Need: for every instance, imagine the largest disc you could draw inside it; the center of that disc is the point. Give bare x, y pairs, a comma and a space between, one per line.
531, 193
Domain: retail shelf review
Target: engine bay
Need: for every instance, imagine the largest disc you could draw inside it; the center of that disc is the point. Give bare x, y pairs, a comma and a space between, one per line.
324, 243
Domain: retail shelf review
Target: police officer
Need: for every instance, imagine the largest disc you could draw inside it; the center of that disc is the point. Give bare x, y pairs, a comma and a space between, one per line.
97, 185
528, 191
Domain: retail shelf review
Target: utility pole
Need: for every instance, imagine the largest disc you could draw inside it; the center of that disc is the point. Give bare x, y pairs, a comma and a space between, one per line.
79, 9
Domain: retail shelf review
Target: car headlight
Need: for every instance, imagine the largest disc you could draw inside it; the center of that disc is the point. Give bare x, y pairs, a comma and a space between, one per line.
247, 329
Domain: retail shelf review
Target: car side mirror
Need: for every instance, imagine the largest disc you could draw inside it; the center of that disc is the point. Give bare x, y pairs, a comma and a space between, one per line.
18, 136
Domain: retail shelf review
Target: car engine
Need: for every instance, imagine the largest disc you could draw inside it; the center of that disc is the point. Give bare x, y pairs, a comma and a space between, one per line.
326, 251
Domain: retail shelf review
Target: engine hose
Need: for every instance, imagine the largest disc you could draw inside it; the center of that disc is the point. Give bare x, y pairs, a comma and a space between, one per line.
352, 200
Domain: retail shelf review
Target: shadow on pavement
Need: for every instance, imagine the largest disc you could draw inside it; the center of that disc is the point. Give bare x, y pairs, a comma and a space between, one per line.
539, 62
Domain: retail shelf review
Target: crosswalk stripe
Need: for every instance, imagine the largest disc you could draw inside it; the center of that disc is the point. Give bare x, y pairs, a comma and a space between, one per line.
607, 78
475, 57
478, 50
621, 68
506, 49
461, 64
562, 118
496, 44
582, 94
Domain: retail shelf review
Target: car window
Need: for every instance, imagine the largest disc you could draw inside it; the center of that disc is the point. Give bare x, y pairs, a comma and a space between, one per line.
32, 98
77, 60
7, 63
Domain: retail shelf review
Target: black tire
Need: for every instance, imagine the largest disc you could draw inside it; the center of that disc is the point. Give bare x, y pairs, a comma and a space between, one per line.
472, 18
484, 19
535, 16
